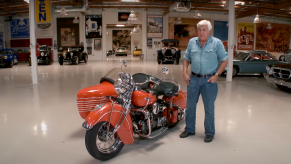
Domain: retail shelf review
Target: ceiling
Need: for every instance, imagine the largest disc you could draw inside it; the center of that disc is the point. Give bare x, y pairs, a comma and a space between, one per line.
280, 9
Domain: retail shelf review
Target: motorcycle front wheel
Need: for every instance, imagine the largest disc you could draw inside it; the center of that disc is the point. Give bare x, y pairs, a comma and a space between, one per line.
102, 145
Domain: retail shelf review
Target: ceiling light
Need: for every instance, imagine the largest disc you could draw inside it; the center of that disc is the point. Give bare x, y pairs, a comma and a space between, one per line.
132, 16
138, 28
179, 21
63, 12
27, 1
257, 19
269, 27
120, 25
21, 22
76, 20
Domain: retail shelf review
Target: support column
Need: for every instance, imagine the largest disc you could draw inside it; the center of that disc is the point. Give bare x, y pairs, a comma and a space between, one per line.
33, 42
231, 35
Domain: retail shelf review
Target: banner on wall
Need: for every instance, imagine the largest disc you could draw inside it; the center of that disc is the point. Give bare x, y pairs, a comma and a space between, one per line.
276, 39
121, 38
155, 26
19, 30
1, 37
183, 32
245, 36
220, 31
93, 26
43, 11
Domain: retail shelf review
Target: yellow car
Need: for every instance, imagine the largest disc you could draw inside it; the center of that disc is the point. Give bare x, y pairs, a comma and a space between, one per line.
137, 52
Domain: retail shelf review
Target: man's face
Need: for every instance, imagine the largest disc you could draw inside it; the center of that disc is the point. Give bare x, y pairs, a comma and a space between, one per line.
203, 33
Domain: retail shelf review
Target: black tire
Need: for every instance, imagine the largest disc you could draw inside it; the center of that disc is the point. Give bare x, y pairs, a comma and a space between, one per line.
29, 61
90, 142
234, 71
10, 64
177, 60
281, 87
76, 60
85, 58
158, 59
47, 60
61, 60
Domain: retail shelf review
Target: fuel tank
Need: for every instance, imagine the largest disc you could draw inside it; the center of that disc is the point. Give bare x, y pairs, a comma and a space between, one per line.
140, 98
89, 97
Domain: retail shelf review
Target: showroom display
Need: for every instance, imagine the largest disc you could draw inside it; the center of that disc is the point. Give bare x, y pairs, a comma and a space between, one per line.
170, 51
279, 74
8, 57
123, 105
74, 55
252, 62
42, 54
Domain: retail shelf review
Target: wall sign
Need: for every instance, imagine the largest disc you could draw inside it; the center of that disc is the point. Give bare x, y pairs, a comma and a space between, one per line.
245, 36
155, 26
93, 26
221, 32
43, 11
123, 16
19, 31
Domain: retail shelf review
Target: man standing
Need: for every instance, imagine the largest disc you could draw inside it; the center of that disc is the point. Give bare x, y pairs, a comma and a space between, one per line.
205, 52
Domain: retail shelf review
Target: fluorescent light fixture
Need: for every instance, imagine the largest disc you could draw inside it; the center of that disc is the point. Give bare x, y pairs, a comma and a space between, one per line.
120, 25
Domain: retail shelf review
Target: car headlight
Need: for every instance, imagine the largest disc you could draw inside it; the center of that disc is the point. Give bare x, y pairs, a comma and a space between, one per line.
173, 51
42, 54
269, 70
118, 86
72, 53
164, 51
5, 57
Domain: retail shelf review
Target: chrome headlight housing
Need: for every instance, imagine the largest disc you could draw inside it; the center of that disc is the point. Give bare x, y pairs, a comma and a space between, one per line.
269, 70
163, 51
173, 51
5, 57
42, 54
119, 86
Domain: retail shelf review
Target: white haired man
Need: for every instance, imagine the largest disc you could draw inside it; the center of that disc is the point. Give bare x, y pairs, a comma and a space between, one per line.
205, 52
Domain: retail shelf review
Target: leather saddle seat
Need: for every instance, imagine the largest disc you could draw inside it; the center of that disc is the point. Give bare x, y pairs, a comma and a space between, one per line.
164, 88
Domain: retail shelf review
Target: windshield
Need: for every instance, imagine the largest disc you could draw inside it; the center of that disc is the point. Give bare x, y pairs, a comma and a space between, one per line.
120, 48
9, 52
241, 56
42, 48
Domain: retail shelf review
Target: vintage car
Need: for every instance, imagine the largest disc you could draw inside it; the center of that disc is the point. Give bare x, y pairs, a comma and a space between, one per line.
286, 57
42, 54
109, 52
8, 57
74, 55
137, 52
279, 74
121, 51
169, 52
252, 62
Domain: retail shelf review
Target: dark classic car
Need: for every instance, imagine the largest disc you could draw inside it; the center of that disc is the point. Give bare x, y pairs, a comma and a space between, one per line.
74, 55
169, 52
286, 57
109, 52
252, 62
8, 58
42, 54
279, 74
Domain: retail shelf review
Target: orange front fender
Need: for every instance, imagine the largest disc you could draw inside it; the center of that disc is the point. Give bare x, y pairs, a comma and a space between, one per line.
125, 131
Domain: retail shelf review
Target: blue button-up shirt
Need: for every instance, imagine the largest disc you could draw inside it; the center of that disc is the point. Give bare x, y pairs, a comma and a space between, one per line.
205, 60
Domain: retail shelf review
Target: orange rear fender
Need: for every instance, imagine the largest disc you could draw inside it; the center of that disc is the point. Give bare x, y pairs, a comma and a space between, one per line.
125, 131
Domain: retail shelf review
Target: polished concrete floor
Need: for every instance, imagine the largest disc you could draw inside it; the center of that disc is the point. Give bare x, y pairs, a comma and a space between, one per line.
40, 124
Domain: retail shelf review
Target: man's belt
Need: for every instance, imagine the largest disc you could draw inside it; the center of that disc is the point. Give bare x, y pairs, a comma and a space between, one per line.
199, 75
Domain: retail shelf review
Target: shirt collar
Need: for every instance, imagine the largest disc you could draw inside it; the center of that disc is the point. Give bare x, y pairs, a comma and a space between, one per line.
210, 38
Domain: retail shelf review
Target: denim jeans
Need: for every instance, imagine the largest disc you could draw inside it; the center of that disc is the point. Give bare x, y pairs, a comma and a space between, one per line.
209, 92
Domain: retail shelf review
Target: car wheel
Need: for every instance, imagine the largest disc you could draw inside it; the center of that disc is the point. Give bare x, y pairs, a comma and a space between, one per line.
76, 60
86, 58
61, 60
47, 61
10, 64
177, 61
234, 71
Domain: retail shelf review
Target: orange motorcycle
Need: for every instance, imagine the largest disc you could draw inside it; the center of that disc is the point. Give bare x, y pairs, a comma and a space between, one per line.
123, 105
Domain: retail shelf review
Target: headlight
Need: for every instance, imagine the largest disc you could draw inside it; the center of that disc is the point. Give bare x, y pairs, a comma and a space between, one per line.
72, 53
5, 57
164, 51
42, 54
269, 70
173, 51
119, 87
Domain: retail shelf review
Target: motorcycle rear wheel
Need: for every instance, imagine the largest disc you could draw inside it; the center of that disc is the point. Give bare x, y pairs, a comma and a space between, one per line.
98, 135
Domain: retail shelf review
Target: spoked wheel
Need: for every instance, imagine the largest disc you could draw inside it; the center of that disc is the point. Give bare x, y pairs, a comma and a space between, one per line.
100, 142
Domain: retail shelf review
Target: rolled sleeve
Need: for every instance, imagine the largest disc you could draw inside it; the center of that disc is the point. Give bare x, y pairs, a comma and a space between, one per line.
221, 53
187, 55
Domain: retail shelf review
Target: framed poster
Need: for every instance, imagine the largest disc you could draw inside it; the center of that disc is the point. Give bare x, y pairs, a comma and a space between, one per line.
97, 44
149, 42
220, 31
155, 26
67, 33
276, 39
245, 36
19, 31
67, 37
123, 16
93, 26
121, 38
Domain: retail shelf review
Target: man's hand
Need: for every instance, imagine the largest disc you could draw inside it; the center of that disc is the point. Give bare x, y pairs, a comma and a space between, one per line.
186, 78
213, 79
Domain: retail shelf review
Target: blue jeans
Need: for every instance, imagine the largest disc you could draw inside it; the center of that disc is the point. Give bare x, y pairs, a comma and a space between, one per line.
209, 92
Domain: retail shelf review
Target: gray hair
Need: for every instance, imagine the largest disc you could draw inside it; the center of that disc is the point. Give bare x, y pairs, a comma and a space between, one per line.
204, 22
